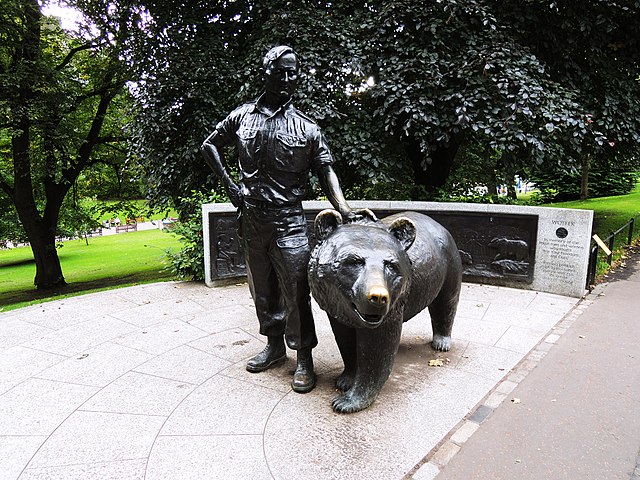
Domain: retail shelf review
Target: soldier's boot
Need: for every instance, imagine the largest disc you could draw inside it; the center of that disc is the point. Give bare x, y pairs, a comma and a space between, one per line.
304, 379
274, 353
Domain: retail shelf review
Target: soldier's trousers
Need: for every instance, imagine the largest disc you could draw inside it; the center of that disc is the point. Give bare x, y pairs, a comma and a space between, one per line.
276, 249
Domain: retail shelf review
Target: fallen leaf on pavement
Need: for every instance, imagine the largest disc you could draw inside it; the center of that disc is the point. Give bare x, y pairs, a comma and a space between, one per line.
436, 363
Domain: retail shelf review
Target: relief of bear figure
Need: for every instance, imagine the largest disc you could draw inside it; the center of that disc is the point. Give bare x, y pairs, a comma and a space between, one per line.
371, 276
509, 248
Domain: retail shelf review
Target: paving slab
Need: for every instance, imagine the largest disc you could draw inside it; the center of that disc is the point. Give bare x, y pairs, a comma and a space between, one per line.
81, 336
15, 453
211, 457
98, 437
16, 331
21, 363
184, 364
50, 403
150, 384
126, 469
139, 394
97, 366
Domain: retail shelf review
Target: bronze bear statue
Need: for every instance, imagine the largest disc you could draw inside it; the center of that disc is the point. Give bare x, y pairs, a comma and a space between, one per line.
370, 276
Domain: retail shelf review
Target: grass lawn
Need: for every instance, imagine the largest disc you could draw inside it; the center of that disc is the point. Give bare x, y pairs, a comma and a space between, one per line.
609, 214
111, 261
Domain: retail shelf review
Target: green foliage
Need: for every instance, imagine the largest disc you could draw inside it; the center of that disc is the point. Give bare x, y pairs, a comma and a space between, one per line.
188, 262
77, 219
121, 208
11, 229
604, 180
519, 83
443, 195
610, 214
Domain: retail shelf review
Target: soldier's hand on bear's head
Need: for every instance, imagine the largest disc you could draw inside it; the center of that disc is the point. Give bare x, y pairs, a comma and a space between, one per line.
362, 215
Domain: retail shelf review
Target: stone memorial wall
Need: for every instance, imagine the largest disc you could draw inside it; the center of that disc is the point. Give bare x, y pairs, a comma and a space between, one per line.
538, 248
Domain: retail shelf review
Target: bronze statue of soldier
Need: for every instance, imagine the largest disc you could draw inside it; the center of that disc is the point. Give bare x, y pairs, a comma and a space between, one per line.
277, 147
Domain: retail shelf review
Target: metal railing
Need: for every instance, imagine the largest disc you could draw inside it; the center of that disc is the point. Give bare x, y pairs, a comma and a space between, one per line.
611, 243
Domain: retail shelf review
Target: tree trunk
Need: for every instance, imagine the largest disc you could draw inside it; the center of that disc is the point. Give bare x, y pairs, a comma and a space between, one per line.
492, 186
509, 177
512, 188
492, 173
40, 229
41, 233
584, 184
48, 269
436, 173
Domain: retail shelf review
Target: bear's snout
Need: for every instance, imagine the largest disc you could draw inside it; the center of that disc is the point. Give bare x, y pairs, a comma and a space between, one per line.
378, 295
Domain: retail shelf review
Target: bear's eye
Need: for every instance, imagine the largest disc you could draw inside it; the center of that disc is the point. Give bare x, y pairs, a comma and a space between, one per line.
353, 261
392, 267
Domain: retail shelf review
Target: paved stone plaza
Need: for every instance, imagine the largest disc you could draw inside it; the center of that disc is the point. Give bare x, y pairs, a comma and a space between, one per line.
148, 382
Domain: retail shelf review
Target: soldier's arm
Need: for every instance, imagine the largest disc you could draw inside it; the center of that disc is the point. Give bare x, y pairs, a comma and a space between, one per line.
331, 187
212, 152
321, 163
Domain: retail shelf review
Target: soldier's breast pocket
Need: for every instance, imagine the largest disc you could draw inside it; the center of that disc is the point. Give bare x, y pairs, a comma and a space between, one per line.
291, 153
248, 148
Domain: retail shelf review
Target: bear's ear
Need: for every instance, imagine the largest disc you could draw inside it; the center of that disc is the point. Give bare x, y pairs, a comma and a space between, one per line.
404, 230
326, 222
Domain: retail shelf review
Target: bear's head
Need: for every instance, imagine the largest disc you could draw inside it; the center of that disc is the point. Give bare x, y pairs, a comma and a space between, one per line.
359, 272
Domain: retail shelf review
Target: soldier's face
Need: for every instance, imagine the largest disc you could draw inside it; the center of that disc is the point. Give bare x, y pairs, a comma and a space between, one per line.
281, 77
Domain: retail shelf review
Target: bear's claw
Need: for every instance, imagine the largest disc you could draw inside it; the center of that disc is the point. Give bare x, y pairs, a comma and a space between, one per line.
347, 404
441, 343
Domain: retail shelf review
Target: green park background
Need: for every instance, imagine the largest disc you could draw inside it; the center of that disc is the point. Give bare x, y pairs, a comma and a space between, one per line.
133, 258
437, 101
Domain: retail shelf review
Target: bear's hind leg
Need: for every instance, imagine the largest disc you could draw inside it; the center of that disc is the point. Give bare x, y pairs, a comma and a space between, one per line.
346, 340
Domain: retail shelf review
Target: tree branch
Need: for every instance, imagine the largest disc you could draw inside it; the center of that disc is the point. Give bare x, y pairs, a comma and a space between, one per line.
93, 136
98, 92
6, 188
75, 50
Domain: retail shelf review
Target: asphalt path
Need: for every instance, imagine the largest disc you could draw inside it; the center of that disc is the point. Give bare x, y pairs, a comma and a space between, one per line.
577, 415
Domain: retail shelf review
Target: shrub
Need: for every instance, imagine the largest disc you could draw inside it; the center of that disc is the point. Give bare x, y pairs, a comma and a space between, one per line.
188, 262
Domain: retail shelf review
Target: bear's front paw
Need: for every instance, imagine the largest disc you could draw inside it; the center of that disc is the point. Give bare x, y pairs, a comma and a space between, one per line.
441, 343
347, 403
345, 381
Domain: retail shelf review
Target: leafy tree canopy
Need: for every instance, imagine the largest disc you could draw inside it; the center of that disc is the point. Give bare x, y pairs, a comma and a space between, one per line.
541, 82
57, 117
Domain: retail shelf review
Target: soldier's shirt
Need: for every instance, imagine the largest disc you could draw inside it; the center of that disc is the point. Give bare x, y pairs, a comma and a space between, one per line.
275, 152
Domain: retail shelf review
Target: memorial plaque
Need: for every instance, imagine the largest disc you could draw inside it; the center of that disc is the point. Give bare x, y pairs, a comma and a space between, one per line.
538, 248
564, 240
